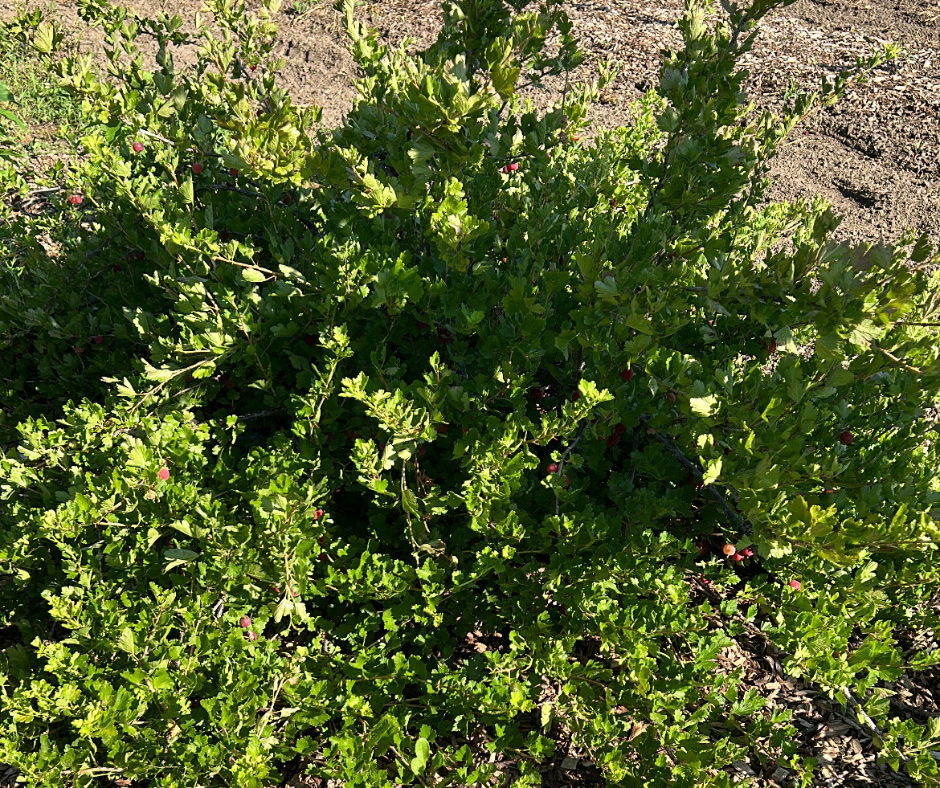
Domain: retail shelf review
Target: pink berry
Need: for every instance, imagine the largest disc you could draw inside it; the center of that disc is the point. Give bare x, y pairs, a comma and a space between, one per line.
671, 397
244, 622
794, 584
164, 473
75, 199
737, 558
747, 552
514, 166
99, 339
318, 514
197, 168
552, 467
252, 635
137, 147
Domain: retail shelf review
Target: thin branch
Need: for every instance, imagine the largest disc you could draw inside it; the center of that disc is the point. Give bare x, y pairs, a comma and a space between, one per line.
743, 526
564, 456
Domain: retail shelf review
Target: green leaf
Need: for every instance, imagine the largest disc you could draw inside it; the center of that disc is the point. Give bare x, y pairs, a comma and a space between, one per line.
126, 641
253, 275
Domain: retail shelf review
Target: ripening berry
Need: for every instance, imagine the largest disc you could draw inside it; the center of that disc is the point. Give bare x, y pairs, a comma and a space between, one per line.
794, 584
137, 147
627, 375
99, 339
514, 166
536, 393
75, 199
620, 429
252, 635
737, 558
324, 557
552, 468
613, 440
318, 514
441, 429
244, 622
233, 172
164, 473
846, 438
197, 168
576, 396
747, 552
729, 549
671, 397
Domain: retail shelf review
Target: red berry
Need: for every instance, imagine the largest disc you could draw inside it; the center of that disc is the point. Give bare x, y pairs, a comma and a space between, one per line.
197, 168
139, 255
309, 339
164, 473
671, 397
620, 429
229, 383
703, 547
233, 172
772, 346
747, 552
252, 635
441, 429
137, 147
287, 199
322, 541
627, 375
846, 438
244, 622
324, 557
552, 467
536, 393
129, 257
318, 514
564, 481
690, 479
613, 440
576, 396
420, 324
729, 549
99, 339
794, 584
737, 558
75, 199
514, 166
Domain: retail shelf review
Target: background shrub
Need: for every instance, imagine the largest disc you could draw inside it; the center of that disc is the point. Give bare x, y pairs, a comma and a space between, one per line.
384, 448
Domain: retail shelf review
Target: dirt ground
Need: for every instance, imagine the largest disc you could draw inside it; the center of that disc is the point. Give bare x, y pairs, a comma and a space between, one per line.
875, 157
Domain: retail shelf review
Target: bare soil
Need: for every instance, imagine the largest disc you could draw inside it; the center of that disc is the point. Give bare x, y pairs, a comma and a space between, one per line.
875, 156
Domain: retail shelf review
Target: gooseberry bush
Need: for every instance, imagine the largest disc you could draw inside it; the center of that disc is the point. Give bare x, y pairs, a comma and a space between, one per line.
397, 453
